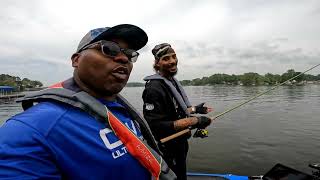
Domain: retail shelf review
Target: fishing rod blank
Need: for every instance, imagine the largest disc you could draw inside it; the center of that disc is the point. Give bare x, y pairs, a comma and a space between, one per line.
235, 107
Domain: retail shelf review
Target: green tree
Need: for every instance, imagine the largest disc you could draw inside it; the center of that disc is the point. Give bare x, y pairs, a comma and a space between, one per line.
17, 83
272, 78
233, 79
185, 83
287, 75
216, 79
309, 77
196, 82
290, 74
251, 78
135, 84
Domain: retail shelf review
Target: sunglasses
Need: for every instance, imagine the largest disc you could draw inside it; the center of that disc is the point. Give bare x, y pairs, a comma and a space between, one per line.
112, 49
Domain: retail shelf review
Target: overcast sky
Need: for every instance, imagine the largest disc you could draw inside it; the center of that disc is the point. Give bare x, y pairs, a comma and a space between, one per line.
38, 37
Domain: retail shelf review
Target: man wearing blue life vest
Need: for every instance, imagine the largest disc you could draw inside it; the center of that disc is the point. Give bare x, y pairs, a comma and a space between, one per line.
167, 108
82, 128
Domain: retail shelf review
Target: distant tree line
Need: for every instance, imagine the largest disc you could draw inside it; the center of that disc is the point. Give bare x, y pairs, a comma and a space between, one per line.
251, 78
17, 83
246, 79
134, 84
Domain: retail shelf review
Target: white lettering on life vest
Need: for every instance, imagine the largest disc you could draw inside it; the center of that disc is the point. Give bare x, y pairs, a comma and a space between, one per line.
115, 147
119, 153
103, 135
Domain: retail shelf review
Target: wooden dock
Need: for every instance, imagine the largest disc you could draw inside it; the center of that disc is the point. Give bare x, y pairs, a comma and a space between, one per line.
10, 96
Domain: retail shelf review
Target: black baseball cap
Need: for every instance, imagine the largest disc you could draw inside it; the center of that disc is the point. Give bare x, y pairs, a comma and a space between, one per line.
133, 35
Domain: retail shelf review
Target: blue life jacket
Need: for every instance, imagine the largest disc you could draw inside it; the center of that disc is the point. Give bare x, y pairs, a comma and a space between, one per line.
57, 139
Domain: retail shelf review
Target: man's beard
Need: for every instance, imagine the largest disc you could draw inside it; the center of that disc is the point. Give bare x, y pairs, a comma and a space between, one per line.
170, 73
166, 71
173, 73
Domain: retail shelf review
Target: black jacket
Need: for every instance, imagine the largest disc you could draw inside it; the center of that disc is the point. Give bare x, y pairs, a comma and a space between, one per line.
161, 110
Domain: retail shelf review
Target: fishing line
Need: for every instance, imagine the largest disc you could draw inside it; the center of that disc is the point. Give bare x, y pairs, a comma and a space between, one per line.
236, 106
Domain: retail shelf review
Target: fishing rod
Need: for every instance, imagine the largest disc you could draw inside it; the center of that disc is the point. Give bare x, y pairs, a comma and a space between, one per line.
235, 107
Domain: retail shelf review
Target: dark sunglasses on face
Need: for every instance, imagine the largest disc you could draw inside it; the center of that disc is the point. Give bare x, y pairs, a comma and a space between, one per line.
112, 49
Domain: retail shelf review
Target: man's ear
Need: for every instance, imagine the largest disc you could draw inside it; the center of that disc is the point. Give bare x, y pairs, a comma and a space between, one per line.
155, 65
75, 59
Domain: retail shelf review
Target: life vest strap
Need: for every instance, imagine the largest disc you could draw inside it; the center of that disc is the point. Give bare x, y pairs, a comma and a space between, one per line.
135, 146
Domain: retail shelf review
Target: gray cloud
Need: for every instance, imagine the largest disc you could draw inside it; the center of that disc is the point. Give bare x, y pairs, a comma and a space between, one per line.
209, 36
261, 57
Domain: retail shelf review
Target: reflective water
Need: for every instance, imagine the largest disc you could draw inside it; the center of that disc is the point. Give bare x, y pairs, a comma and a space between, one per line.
280, 127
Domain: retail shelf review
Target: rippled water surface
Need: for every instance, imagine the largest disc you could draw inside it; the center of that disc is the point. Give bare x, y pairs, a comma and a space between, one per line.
280, 127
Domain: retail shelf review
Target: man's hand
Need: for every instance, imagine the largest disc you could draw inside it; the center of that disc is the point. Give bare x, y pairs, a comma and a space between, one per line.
203, 122
200, 109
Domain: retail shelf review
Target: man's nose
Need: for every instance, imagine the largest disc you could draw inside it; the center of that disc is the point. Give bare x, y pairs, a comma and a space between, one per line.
121, 58
172, 60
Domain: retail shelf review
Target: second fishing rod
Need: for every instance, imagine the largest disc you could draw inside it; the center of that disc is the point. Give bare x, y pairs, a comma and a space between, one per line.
173, 136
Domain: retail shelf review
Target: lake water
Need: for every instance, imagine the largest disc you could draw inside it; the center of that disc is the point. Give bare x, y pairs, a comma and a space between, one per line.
280, 127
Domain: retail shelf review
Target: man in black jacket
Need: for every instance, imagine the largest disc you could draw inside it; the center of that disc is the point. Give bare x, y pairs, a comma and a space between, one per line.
167, 108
